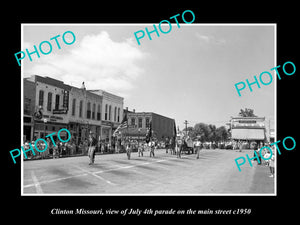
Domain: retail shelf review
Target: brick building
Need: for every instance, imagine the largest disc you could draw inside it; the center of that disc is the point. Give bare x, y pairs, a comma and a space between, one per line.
139, 122
64, 106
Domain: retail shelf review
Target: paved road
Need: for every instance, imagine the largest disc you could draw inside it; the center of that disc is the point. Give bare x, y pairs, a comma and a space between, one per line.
213, 173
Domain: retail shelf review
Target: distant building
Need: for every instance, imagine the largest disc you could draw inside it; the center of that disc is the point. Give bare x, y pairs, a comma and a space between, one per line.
139, 123
271, 135
248, 128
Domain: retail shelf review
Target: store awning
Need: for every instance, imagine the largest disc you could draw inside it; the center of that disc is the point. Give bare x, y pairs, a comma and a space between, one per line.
248, 134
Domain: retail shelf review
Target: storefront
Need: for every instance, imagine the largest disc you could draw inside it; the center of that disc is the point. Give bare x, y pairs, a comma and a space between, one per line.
248, 129
106, 133
44, 128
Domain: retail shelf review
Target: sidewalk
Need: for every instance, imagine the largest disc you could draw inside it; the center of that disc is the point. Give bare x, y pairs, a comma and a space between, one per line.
262, 183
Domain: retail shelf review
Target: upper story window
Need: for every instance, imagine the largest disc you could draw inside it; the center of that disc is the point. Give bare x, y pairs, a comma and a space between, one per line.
41, 98
88, 111
80, 108
73, 106
57, 98
49, 103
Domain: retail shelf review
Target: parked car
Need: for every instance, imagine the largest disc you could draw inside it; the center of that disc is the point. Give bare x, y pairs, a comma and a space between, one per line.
228, 145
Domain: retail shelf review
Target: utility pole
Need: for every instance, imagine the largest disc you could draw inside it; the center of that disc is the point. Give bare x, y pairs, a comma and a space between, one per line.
186, 123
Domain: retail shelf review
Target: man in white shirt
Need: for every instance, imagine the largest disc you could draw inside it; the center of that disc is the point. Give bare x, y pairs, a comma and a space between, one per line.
198, 146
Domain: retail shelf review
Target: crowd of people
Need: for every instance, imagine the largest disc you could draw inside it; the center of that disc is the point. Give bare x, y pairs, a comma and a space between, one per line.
265, 156
174, 145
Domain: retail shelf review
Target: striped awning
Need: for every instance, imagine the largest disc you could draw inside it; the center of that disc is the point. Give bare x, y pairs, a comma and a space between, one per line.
248, 134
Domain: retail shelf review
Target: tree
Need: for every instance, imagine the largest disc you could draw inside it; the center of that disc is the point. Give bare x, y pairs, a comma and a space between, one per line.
247, 113
190, 131
202, 130
212, 132
222, 133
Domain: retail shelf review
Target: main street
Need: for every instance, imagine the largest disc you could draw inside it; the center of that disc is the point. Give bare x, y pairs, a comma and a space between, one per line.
214, 172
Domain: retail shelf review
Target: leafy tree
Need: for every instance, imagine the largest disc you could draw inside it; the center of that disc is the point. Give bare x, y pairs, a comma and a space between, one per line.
190, 131
210, 132
202, 130
222, 133
247, 113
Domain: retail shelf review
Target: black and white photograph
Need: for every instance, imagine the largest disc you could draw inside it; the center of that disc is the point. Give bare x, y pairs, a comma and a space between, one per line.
149, 111
144, 109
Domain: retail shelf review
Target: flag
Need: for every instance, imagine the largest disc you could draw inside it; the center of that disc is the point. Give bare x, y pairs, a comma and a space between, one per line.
149, 133
124, 124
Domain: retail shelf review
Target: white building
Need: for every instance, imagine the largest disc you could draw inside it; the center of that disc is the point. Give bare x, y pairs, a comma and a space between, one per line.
112, 112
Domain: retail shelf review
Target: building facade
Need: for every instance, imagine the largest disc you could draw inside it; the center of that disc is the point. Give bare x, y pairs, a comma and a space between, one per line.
248, 128
64, 106
51, 98
111, 111
139, 123
29, 96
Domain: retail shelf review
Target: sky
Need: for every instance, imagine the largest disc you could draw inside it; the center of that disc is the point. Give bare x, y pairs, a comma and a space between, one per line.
186, 74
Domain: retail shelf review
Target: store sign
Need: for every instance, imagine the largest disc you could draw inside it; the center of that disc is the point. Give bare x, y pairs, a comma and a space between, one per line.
250, 125
66, 99
247, 121
60, 111
54, 118
107, 123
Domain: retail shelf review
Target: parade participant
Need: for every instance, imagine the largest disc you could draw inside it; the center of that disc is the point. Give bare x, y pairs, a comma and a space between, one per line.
172, 146
141, 149
198, 146
178, 146
55, 151
128, 150
152, 146
92, 142
256, 149
167, 144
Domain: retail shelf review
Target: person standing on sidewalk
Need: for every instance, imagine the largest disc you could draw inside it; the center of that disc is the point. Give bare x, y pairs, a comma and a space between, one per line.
271, 161
92, 142
179, 143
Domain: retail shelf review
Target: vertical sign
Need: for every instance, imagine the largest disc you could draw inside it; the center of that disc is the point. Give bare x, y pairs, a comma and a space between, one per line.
66, 100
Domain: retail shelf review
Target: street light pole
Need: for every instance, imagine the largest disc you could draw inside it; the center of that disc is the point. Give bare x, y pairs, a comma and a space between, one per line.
45, 121
186, 123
